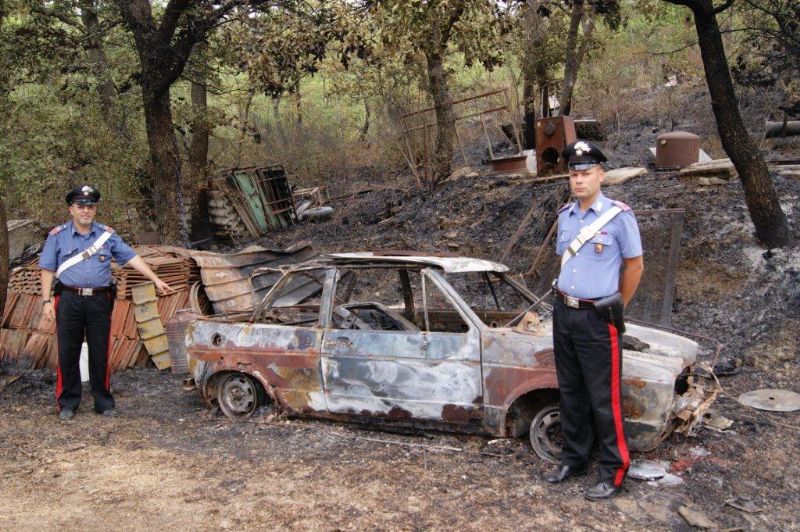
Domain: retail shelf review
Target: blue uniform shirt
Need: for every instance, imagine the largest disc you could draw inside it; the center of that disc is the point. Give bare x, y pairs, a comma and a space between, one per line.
594, 271
64, 242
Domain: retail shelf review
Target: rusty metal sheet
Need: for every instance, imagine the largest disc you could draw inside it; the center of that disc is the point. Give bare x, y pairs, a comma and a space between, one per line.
285, 359
403, 374
226, 277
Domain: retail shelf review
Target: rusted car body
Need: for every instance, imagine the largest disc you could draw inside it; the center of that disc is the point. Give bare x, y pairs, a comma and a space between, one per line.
423, 341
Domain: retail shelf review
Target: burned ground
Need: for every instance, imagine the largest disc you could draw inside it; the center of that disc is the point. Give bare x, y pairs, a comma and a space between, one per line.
168, 461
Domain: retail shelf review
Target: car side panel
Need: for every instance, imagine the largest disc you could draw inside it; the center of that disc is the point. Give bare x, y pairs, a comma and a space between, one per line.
285, 359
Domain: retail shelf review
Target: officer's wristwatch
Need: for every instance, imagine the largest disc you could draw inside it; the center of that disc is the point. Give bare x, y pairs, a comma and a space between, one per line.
44, 301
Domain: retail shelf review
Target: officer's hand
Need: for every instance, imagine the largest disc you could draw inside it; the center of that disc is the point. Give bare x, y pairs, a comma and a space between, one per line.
49, 311
162, 287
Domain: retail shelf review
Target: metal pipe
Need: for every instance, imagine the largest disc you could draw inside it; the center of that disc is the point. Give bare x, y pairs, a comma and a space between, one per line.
784, 128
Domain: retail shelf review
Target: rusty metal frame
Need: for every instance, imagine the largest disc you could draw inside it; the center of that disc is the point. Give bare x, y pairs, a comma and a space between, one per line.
412, 146
671, 267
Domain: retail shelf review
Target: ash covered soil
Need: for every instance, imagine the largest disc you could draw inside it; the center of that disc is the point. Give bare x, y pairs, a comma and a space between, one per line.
168, 461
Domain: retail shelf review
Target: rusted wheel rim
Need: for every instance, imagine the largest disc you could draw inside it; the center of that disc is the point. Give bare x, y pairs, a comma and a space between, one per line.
238, 396
545, 434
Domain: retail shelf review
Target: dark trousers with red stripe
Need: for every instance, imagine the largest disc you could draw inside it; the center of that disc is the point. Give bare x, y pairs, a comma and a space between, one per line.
588, 354
76, 317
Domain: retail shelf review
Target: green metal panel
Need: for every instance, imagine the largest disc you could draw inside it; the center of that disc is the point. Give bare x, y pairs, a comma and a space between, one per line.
247, 186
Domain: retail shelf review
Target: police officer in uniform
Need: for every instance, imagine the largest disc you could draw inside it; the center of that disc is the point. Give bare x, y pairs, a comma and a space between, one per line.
79, 254
588, 345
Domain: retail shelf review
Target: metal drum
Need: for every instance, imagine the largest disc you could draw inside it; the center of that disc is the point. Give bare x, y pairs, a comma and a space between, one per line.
677, 149
176, 330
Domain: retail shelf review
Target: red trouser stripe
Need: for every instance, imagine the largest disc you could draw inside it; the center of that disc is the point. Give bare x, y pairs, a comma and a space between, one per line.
59, 381
616, 406
108, 349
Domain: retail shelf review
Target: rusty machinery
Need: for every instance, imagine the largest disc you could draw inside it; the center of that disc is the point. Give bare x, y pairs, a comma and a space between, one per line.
552, 136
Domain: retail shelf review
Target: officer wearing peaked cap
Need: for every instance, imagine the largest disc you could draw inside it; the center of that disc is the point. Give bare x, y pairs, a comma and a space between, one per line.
78, 254
596, 237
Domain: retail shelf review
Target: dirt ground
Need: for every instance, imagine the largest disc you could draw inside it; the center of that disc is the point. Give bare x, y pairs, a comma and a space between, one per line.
168, 461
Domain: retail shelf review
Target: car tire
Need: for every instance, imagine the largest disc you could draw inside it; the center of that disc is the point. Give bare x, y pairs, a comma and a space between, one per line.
545, 433
239, 395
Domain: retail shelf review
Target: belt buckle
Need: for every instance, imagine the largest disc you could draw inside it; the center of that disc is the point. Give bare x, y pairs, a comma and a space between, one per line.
572, 302
86, 291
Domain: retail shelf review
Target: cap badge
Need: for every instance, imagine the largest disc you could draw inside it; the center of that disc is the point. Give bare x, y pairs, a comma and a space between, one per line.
581, 147
87, 189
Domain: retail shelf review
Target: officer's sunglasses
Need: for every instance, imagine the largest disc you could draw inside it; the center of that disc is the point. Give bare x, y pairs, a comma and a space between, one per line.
84, 207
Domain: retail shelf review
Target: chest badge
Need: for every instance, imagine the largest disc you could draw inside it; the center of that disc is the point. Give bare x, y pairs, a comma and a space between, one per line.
598, 248
102, 258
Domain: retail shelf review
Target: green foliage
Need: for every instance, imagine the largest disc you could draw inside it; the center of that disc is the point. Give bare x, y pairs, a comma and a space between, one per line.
329, 64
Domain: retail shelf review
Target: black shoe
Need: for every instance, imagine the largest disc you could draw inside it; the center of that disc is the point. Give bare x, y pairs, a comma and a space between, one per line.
109, 413
564, 472
601, 491
66, 414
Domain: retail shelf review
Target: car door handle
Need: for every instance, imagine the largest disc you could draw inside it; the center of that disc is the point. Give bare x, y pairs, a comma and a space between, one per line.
338, 343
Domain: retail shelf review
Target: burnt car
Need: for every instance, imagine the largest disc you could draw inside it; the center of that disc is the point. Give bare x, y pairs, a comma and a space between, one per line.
449, 343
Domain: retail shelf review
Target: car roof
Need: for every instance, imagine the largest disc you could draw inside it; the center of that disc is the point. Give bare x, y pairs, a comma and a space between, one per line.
447, 264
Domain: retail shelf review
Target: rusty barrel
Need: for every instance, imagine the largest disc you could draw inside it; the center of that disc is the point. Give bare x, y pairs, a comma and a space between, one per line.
176, 330
677, 149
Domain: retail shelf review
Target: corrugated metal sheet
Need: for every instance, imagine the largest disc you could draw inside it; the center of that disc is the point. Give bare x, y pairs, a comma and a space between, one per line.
226, 278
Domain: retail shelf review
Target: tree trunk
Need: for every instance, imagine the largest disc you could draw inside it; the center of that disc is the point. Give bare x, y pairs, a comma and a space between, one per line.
4, 88
298, 106
3, 255
165, 167
571, 60
443, 107
531, 64
362, 134
106, 91
244, 117
198, 159
771, 225
276, 116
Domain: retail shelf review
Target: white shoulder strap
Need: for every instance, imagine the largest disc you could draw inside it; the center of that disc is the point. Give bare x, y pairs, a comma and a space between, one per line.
587, 233
91, 250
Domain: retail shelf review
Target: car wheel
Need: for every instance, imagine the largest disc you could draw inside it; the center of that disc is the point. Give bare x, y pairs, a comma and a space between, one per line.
238, 395
545, 433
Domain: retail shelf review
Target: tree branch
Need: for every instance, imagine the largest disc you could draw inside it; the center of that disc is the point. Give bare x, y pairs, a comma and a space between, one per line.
70, 20
172, 14
722, 7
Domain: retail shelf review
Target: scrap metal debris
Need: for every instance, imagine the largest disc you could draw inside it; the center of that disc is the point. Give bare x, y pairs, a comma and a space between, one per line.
771, 399
646, 470
745, 504
717, 422
227, 277
258, 198
719, 168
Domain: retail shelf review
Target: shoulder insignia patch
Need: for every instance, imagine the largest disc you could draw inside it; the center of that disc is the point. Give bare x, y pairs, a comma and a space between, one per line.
564, 207
57, 229
107, 228
621, 205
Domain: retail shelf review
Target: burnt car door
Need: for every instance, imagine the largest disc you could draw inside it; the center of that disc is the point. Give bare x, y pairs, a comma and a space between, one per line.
421, 363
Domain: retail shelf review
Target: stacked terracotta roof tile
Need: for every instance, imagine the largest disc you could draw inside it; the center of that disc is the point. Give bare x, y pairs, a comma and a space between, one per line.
28, 340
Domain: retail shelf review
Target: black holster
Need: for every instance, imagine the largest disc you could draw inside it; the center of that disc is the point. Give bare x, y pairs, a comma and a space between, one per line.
113, 295
610, 309
57, 288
